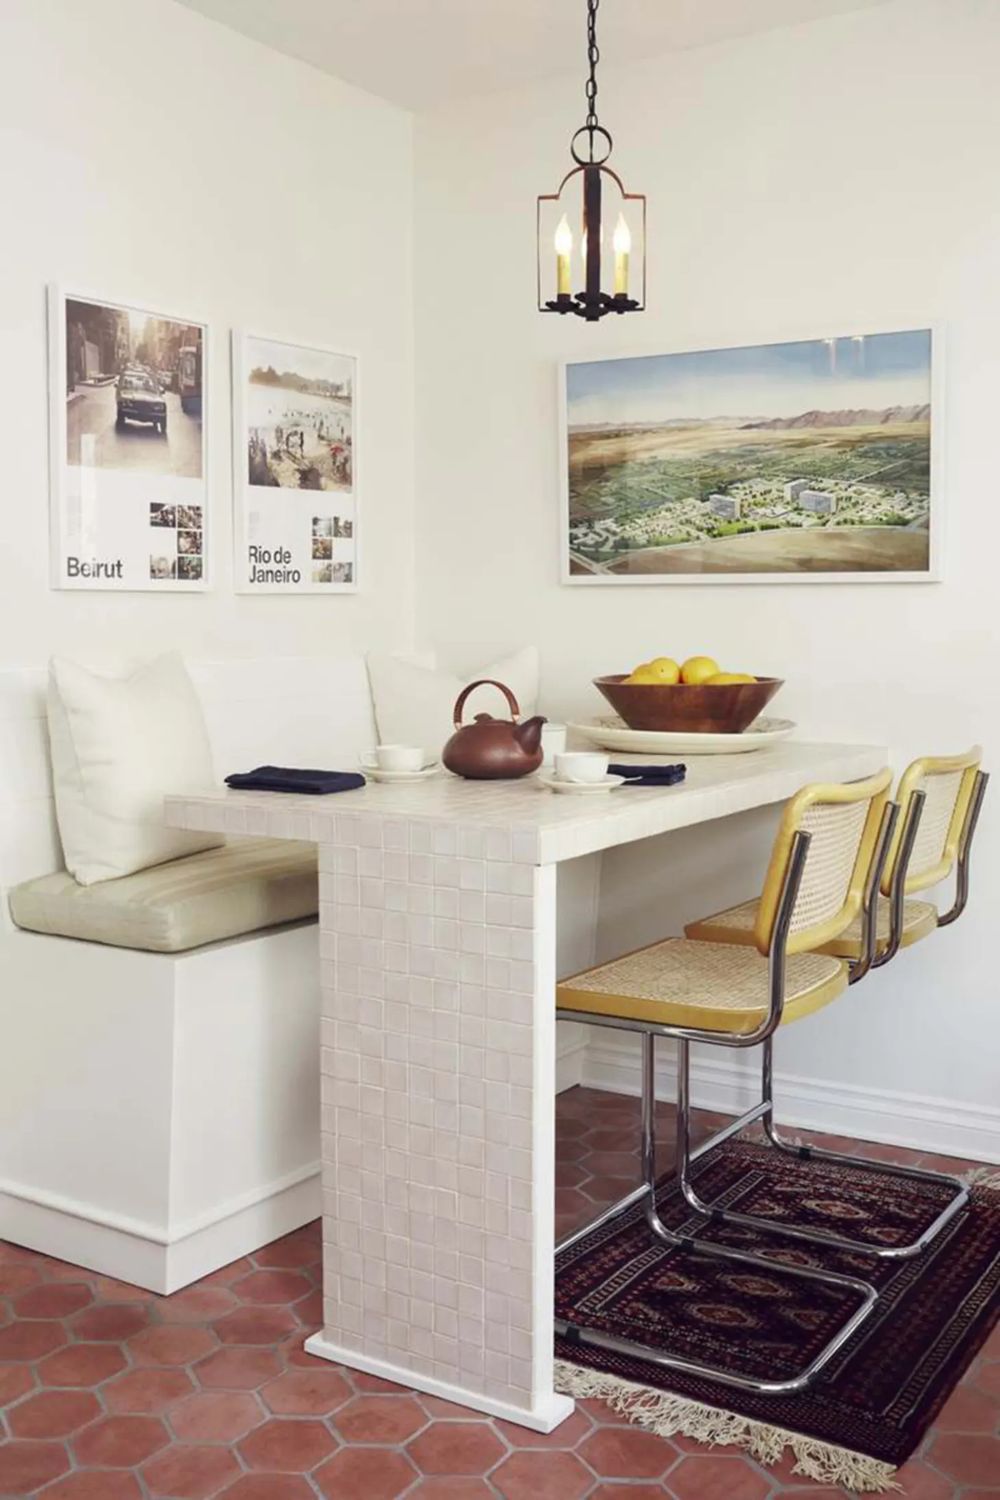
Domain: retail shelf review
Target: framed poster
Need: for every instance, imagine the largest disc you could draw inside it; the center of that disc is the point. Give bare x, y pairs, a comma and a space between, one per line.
805, 461
294, 468
128, 487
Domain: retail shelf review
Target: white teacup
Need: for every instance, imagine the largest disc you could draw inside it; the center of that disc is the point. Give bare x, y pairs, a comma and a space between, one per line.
399, 758
581, 766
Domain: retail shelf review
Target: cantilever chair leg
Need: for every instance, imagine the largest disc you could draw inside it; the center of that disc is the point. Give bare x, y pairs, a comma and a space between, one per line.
958, 1201
682, 1240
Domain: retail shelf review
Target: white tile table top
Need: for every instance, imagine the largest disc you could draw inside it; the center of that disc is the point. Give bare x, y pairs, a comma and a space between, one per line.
522, 820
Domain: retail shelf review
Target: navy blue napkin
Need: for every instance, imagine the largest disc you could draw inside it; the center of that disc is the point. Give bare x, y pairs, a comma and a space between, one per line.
649, 775
287, 779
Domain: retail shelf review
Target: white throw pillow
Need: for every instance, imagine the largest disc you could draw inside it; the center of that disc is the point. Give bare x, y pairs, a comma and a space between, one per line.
414, 705
119, 745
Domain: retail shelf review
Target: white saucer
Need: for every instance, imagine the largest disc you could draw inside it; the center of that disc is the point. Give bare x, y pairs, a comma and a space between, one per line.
581, 788
374, 773
613, 734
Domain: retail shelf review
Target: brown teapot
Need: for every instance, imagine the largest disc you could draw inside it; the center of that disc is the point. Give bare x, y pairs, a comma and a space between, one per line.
493, 749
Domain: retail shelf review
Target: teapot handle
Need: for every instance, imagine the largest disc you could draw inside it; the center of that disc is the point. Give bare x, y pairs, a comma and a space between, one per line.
515, 712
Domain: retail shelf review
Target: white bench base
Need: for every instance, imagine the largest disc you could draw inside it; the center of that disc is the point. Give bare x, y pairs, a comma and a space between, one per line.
159, 1114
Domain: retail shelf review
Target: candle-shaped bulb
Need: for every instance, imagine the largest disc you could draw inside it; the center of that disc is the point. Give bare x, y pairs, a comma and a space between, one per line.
622, 242
564, 249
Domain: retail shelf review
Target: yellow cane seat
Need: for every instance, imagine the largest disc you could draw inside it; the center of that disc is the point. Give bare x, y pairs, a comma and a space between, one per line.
737, 923
706, 986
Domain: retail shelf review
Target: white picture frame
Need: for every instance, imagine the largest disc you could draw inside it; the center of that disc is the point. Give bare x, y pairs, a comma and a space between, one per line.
295, 539
569, 566
128, 446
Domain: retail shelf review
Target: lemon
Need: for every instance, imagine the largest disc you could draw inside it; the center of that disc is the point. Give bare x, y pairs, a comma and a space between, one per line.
698, 669
665, 669
644, 675
720, 679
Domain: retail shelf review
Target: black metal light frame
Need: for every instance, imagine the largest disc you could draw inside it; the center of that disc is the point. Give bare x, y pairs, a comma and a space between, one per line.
592, 303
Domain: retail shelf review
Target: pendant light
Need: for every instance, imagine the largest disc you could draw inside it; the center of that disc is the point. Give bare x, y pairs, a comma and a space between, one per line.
592, 196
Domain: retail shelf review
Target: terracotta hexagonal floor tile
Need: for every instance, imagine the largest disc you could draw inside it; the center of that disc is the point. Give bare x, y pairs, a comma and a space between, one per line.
16, 1278
456, 1448
53, 1300
96, 1484
918, 1482
304, 1247
373, 1385
237, 1369
567, 1435
295, 1355
290, 1445
225, 1274
107, 1289
971, 1458
170, 1344
306, 1393
196, 1304
26, 1467
536, 1475
255, 1325
111, 1324
612, 1491
987, 1377
309, 1309
627, 1453
81, 1364
450, 1487
189, 1473
53, 1414
710, 1477
270, 1487
15, 1382
969, 1410
215, 1417
146, 1391
375, 1473
262, 1287
120, 1442
380, 1419
30, 1340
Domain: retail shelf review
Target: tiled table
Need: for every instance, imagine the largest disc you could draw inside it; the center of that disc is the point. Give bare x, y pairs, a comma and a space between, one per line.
437, 950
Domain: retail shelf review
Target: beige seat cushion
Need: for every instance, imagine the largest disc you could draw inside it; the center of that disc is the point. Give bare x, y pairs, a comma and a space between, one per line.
185, 903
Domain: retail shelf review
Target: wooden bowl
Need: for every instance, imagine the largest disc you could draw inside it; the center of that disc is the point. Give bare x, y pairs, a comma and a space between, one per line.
726, 708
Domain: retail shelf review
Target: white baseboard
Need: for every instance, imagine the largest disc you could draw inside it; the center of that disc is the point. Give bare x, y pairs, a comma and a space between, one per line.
611, 1061
571, 1049
143, 1254
544, 1415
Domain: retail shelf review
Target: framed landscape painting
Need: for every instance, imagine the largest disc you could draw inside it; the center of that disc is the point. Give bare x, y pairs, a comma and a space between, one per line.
805, 461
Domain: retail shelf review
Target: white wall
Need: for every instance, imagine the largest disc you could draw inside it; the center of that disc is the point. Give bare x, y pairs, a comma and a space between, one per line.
835, 175
152, 156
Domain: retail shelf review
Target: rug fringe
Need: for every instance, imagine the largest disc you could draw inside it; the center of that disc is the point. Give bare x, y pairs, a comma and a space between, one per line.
982, 1177
666, 1413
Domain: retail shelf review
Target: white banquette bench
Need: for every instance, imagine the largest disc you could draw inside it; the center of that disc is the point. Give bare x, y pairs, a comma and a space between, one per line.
159, 1112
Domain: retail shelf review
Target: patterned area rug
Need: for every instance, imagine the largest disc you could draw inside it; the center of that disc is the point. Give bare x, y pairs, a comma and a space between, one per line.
872, 1404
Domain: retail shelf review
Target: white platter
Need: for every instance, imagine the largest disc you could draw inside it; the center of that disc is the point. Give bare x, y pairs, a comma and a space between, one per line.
374, 774
613, 734
580, 788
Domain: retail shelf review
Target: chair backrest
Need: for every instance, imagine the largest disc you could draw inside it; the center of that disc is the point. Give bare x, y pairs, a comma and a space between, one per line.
843, 822
947, 782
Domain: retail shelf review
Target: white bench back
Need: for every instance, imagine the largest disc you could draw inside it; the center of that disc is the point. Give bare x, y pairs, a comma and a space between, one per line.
292, 711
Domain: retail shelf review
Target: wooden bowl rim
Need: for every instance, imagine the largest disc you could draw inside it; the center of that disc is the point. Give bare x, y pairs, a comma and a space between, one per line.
617, 679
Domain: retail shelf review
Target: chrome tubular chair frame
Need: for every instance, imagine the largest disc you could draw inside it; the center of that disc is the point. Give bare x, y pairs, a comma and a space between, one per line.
646, 1193
965, 844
